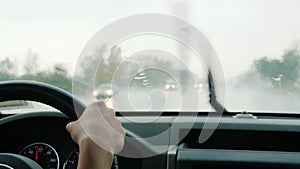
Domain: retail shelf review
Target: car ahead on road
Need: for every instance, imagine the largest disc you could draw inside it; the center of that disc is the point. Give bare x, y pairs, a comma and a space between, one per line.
245, 113
104, 91
170, 85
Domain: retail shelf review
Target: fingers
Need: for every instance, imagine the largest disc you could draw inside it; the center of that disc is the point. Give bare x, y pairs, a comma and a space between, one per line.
101, 104
99, 122
98, 108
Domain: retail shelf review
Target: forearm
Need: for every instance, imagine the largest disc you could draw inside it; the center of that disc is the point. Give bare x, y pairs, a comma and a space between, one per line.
93, 157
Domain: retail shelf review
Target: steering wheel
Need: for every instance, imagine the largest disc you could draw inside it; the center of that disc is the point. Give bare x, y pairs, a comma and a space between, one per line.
60, 100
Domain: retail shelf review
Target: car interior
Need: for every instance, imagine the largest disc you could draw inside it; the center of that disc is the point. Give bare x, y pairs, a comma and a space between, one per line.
238, 142
267, 137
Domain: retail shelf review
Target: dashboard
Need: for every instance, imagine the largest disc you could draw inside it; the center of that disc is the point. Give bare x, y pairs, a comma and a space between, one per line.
263, 143
41, 137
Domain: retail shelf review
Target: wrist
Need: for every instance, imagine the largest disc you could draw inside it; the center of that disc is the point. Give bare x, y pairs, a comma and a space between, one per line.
93, 155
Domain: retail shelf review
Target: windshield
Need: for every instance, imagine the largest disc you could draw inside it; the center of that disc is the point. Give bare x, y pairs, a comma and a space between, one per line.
256, 43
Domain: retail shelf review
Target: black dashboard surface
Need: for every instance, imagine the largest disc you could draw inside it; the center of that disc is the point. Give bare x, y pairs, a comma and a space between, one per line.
46, 127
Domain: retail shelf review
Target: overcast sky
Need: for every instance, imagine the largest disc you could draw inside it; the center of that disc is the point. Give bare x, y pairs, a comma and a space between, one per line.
239, 30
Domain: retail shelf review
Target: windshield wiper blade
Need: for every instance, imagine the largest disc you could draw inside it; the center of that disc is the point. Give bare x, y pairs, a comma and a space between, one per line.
212, 95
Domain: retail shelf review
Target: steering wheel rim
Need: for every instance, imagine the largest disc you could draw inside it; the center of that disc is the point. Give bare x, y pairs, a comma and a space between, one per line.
62, 101
43, 93
11, 161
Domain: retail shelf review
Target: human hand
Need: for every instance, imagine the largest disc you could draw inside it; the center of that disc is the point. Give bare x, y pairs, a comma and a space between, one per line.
99, 135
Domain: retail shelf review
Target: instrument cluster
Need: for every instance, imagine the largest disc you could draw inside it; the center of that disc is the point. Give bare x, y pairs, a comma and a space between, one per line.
47, 157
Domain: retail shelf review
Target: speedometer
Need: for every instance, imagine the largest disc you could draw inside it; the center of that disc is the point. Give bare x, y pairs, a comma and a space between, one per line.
42, 153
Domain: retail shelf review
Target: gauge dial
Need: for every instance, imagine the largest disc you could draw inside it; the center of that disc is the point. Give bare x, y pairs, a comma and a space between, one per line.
42, 153
72, 160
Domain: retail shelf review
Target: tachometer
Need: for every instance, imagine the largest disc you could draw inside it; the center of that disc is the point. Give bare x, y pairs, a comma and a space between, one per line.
72, 160
42, 153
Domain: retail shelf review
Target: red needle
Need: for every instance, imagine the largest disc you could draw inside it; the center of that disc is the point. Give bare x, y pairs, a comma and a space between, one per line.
36, 152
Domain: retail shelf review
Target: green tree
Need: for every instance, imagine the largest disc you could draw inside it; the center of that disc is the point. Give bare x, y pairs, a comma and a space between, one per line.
7, 68
290, 67
283, 72
268, 67
58, 77
31, 63
88, 66
108, 66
